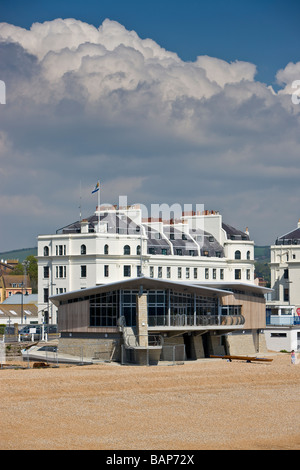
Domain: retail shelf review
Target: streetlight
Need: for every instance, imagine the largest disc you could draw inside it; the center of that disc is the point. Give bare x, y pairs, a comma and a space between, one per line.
22, 308
25, 264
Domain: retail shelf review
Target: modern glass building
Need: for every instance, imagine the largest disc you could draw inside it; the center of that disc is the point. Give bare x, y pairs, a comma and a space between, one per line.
130, 312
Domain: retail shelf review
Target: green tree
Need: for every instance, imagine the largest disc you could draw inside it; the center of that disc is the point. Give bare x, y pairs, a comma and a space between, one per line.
18, 270
32, 271
263, 270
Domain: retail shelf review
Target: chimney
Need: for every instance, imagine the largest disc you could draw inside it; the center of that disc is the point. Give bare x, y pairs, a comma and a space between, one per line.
247, 231
299, 223
84, 226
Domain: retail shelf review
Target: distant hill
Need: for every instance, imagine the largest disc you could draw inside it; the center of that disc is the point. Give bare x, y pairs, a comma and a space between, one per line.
21, 254
262, 253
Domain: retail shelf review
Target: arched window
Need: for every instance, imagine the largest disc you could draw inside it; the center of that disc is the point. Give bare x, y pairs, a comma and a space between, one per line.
83, 250
237, 254
138, 250
106, 249
126, 250
248, 254
46, 250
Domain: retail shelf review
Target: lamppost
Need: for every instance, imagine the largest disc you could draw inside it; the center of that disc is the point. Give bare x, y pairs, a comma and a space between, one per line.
22, 305
25, 264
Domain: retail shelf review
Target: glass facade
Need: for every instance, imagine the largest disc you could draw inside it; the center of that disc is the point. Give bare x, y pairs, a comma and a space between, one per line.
128, 306
175, 308
157, 304
165, 308
104, 309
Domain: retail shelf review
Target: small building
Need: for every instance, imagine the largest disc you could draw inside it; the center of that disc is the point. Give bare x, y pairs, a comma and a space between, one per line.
7, 266
146, 315
19, 309
11, 284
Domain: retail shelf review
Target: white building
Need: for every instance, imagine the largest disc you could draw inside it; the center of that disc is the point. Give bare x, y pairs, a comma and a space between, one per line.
115, 244
283, 308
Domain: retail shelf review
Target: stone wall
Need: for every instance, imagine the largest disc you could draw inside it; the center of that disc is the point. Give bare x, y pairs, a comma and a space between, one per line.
102, 349
250, 343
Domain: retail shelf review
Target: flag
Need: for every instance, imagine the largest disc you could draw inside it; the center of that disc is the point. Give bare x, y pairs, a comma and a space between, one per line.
97, 187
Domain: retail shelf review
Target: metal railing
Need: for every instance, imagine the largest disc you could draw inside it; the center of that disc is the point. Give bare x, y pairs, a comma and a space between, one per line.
173, 353
283, 320
195, 320
133, 340
185, 320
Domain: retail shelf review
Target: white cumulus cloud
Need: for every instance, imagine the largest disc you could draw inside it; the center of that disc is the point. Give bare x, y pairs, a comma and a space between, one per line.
85, 102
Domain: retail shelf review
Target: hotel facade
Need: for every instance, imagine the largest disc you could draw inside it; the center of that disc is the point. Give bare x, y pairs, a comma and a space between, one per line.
192, 278
283, 304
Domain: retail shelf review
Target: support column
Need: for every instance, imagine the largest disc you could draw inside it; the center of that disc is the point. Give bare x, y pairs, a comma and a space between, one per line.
142, 319
169, 307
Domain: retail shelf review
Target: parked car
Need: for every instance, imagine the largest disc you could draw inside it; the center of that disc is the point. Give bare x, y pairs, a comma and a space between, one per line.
9, 330
29, 332
50, 329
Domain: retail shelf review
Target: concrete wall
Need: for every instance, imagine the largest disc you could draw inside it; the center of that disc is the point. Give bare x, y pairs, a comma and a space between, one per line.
102, 349
214, 344
249, 343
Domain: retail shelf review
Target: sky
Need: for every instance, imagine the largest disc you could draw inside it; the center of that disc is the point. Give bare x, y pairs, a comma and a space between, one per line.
164, 102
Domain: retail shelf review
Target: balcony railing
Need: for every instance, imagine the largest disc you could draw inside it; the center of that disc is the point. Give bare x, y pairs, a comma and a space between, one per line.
282, 320
198, 320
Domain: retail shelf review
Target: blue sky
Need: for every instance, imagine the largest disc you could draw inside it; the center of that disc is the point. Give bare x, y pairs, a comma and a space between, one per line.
183, 102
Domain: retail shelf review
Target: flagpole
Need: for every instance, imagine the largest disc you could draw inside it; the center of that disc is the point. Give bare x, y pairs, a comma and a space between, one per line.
97, 189
80, 200
99, 207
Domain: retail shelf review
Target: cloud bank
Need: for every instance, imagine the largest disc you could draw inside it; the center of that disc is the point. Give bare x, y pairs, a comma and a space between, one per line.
84, 103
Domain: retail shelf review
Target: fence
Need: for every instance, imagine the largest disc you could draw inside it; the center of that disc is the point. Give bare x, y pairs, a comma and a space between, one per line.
34, 337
